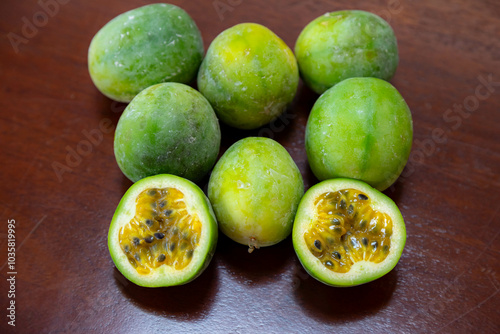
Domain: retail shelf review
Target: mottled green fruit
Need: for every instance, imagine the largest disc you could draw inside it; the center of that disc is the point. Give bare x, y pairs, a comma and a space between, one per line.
142, 47
168, 128
255, 189
249, 75
346, 44
362, 129
151, 270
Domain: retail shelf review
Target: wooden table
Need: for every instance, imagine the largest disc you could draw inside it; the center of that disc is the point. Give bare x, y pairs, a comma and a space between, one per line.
447, 280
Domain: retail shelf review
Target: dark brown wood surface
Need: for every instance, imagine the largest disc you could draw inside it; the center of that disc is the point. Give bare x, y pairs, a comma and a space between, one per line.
447, 280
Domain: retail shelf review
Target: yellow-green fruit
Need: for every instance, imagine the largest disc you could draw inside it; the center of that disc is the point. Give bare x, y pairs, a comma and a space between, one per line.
255, 188
346, 44
249, 75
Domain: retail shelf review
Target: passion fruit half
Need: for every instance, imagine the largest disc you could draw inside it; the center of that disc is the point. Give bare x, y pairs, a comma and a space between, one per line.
347, 233
163, 232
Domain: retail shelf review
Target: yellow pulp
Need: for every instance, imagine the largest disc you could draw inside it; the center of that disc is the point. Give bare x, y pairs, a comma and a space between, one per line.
162, 232
348, 230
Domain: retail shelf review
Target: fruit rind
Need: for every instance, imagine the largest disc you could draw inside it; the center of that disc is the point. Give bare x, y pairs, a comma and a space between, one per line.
361, 272
164, 276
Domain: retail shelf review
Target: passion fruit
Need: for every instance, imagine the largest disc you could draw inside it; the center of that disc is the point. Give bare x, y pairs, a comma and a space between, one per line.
168, 128
163, 232
249, 75
362, 129
346, 44
142, 47
346, 233
255, 189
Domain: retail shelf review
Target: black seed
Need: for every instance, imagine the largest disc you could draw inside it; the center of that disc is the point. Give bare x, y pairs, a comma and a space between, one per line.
337, 230
161, 258
374, 244
137, 257
127, 248
189, 253
172, 247
340, 214
335, 221
343, 204
350, 210
364, 241
317, 244
362, 223
168, 212
149, 239
153, 205
336, 255
149, 222
159, 235
328, 263
362, 197
162, 204
136, 241
152, 192
386, 248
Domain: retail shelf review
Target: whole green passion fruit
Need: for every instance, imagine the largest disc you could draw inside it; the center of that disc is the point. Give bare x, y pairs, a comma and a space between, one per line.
346, 233
255, 189
142, 47
362, 129
169, 128
163, 232
346, 44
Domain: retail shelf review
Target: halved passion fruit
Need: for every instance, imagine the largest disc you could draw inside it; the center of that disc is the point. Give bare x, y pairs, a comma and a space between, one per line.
163, 232
347, 233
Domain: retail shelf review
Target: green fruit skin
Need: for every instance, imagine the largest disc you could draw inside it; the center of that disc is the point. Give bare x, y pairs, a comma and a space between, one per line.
346, 44
362, 129
249, 75
142, 47
213, 236
255, 189
168, 128
304, 215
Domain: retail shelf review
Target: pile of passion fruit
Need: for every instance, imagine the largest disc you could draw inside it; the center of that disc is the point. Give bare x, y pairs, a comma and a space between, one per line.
358, 139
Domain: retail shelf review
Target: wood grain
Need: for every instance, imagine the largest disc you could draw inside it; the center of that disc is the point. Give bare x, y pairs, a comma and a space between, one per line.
447, 280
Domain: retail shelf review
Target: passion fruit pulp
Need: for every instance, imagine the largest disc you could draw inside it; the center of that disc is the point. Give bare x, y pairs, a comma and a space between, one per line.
163, 232
347, 233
